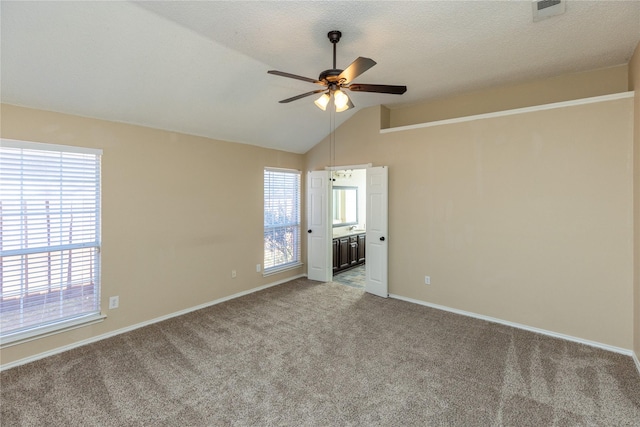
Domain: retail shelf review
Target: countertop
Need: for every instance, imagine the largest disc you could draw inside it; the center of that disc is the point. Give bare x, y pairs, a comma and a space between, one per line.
346, 233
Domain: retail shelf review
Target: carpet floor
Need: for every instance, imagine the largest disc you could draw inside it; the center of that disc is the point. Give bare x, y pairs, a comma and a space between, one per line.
323, 354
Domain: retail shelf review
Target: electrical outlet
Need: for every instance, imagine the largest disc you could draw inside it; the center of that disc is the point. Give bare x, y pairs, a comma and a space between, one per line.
233, 274
114, 302
427, 280
258, 268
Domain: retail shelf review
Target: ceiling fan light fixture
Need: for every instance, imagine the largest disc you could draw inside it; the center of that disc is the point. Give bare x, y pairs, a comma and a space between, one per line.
322, 101
348, 105
341, 100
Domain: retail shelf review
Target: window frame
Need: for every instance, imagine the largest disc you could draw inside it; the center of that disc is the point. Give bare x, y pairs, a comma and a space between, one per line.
295, 223
93, 243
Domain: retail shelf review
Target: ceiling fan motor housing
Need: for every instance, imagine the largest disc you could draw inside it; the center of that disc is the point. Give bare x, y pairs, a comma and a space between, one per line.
330, 76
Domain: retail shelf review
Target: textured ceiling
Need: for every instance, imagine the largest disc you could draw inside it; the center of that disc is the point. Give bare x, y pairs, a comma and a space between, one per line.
201, 67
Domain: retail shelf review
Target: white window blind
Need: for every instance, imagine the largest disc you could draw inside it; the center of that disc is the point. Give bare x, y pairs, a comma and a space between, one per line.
281, 219
49, 236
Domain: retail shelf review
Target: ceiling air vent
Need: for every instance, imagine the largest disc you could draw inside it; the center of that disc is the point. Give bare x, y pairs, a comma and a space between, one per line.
543, 9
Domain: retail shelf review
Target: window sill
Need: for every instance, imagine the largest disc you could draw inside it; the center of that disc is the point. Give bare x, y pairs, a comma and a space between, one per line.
281, 269
56, 328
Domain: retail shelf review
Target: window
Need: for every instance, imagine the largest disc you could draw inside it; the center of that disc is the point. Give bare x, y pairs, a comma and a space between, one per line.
49, 238
281, 219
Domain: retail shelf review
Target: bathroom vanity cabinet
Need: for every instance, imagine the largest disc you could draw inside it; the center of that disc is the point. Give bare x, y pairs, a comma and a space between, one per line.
348, 251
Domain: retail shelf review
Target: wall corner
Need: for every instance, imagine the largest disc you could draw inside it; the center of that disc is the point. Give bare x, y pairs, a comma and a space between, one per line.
634, 84
385, 117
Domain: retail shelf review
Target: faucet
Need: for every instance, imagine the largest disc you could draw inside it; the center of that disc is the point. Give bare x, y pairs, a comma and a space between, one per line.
353, 227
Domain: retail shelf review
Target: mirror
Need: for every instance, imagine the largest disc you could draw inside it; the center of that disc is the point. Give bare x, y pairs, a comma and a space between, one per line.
345, 206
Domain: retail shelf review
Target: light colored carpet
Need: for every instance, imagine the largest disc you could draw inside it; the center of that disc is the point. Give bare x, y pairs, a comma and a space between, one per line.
306, 353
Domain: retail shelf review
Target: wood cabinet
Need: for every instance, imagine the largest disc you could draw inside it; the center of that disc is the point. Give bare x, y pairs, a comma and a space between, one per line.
336, 255
353, 250
348, 251
362, 244
343, 254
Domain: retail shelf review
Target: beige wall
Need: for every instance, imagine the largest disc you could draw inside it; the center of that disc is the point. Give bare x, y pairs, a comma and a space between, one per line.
634, 84
562, 88
524, 218
179, 213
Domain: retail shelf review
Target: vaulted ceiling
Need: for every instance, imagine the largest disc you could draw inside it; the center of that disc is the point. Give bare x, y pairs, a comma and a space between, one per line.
201, 67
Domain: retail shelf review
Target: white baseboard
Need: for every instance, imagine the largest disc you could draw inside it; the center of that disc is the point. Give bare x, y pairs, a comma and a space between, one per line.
635, 359
521, 326
140, 325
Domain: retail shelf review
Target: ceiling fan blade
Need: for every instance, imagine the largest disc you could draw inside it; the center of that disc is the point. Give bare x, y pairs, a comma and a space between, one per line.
303, 95
293, 76
356, 68
361, 87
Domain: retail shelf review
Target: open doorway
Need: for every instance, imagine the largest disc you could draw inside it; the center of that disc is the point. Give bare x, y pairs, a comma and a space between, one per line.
349, 231
375, 226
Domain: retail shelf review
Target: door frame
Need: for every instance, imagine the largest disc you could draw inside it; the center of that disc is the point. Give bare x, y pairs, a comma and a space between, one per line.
330, 210
364, 166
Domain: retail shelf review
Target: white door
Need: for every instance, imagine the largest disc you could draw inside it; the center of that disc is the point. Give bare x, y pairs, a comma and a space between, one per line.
318, 248
377, 238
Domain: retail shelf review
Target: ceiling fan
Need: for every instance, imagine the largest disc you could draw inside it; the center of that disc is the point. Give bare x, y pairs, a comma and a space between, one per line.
336, 80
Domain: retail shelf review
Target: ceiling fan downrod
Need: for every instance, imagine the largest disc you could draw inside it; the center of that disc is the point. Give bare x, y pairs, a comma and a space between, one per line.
334, 38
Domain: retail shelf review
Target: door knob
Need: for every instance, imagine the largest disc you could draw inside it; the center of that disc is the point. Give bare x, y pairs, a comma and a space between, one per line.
308, 231
382, 239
